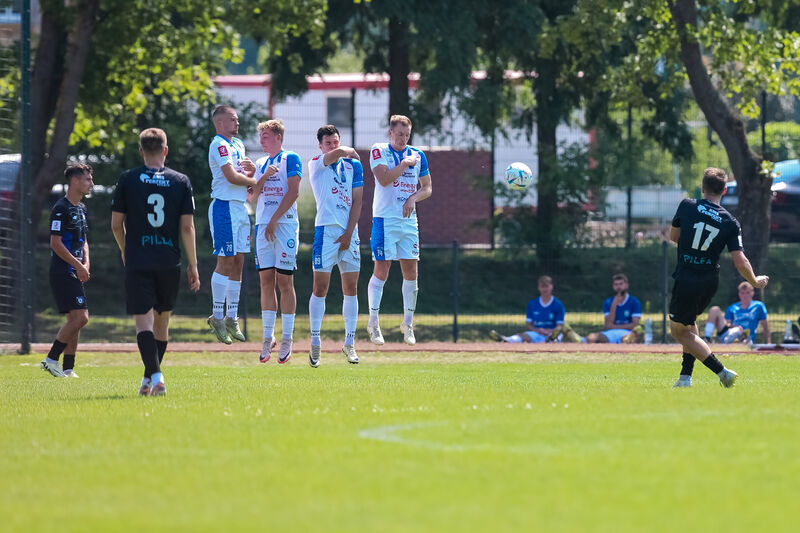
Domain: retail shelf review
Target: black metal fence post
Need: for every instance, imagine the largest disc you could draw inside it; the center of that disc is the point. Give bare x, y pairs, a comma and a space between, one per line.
455, 290
27, 242
665, 292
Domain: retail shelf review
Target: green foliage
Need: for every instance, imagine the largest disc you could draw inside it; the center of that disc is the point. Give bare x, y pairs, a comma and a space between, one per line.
783, 140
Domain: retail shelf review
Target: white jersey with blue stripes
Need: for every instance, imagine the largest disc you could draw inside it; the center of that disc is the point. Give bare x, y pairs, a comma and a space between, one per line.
333, 187
221, 152
276, 186
388, 201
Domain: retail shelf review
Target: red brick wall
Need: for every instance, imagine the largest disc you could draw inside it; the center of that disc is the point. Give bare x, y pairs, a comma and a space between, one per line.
460, 206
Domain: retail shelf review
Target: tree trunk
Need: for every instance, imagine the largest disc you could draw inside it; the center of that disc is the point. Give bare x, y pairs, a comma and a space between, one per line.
547, 117
754, 188
399, 68
78, 46
48, 68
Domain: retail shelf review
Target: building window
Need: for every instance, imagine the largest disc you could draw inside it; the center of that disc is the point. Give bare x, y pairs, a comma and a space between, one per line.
339, 111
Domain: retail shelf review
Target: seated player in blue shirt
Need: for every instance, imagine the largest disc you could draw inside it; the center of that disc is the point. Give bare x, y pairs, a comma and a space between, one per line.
544, 317
622, 315
741, 319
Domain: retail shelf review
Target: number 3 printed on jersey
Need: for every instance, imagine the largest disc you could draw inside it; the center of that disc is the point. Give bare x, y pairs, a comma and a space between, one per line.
156, 218
698, 234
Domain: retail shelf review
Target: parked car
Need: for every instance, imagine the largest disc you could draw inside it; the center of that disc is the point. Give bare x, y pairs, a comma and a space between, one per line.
9, 168
785, 222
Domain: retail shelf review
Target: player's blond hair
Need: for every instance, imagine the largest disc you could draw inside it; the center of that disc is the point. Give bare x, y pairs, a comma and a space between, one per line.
153, 140
275, 126
544, 280
744, 285
394, 120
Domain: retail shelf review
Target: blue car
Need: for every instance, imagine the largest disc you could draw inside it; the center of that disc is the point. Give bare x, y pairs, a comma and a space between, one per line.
785, 221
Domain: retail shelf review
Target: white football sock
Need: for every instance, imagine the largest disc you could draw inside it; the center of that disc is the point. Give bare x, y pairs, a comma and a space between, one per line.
219, 284
156, 378
350, 313
513, 338
268, 321
316, 311
374, 295
232, 294
409, 300
709, 329
287, 325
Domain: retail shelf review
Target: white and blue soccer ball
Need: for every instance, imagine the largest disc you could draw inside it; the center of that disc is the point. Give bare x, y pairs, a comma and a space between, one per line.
519, 176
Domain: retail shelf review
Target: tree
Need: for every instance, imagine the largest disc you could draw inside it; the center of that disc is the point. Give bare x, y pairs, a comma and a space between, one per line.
387, 33
729, 52
100, 63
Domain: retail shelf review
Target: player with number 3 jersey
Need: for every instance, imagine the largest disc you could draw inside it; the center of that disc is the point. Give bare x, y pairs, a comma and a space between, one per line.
152, 209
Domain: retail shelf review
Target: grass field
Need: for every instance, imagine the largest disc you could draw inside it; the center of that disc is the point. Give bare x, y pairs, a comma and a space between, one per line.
401, 442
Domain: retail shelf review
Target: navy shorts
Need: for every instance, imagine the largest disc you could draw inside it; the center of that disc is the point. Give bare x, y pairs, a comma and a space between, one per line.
68, 292
151, 289
690, 297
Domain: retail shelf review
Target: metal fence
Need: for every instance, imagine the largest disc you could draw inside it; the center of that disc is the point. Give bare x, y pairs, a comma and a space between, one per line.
472, 278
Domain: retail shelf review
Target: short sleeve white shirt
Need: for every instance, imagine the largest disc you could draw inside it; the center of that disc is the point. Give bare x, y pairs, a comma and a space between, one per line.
276, 186
388, 201
223, 152
333, 187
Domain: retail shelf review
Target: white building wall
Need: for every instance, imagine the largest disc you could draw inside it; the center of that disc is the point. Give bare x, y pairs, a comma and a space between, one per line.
304, 114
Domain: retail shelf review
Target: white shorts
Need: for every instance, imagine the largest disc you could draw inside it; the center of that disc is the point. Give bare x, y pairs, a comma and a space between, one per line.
535, 337
230, 227
394, 238
325, 252
614, 336
281, 252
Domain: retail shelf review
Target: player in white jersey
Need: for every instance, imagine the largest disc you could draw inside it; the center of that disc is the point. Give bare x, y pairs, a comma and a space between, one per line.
231, 176
337, 179
401, 180
277, 231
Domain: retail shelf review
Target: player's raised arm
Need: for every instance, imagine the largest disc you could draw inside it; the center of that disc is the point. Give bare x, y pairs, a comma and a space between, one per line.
334, 155
237, 178
386, 177
744, 268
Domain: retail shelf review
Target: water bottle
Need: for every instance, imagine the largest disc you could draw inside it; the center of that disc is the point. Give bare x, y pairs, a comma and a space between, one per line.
648, 331
788, 336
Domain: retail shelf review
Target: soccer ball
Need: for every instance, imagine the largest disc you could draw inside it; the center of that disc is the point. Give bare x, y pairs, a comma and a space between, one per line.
519, 176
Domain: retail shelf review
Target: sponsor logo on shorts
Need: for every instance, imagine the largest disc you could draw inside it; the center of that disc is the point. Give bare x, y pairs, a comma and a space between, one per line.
223, 152
290, 243
79, 299
376, 154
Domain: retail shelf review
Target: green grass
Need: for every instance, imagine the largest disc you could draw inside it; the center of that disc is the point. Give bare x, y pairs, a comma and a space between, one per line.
401, 442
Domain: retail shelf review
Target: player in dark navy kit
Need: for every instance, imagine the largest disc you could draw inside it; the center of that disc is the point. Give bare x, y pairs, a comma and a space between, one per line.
152, 208
702, 230
69, 268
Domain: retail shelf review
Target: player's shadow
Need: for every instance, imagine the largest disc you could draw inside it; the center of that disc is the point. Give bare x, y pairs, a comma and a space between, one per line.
107, 397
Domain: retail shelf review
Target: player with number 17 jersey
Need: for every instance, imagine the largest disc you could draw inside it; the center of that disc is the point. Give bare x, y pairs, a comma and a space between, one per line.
706, 229
153, 200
